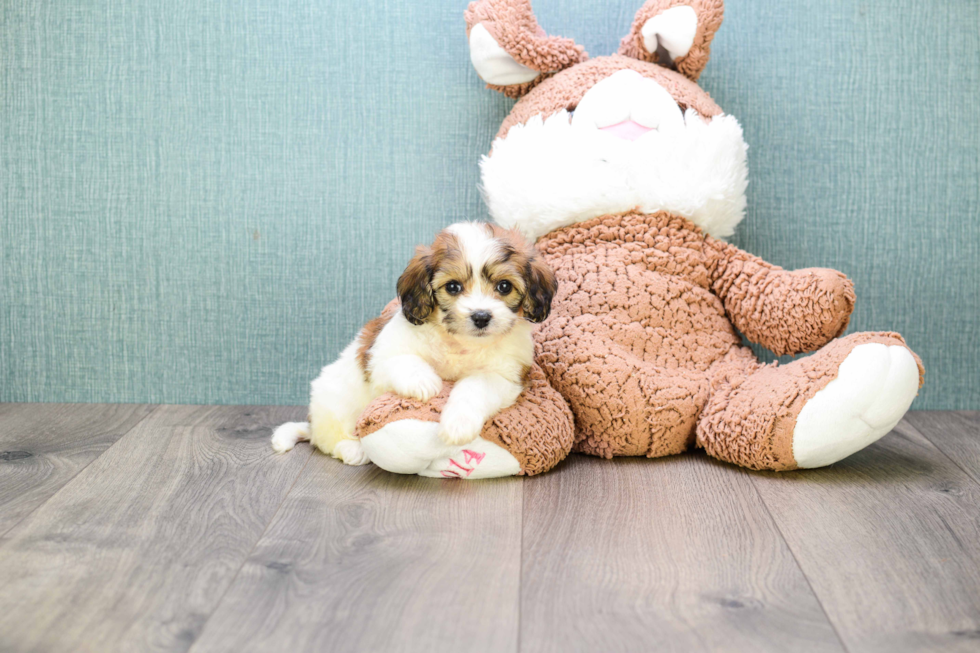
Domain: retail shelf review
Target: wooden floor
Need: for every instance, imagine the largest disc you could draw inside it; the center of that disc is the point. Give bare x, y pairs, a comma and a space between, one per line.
175, 528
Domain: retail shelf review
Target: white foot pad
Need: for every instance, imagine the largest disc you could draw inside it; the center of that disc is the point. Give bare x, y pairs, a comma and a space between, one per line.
287, 435
875, 386
412, 446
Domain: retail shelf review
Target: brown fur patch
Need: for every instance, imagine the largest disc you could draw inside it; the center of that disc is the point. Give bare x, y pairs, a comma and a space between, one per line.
508, 265
422, 286
415, 288
542, 284
526, 375
366, 339
448, 263
523, 266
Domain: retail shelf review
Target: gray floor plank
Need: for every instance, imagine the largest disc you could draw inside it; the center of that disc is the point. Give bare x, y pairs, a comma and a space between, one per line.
136, 551
43, 446
676, 554
362, 560
183, 530
890, 541
956, 434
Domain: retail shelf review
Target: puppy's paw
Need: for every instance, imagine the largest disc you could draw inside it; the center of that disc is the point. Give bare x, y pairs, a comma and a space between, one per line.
459, 426
422, 384
350, 452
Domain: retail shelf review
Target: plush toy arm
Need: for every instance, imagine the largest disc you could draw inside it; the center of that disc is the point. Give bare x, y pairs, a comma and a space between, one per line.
788, 312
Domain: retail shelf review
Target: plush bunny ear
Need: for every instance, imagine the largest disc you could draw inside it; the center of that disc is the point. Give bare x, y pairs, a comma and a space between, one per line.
675, 34
510, 51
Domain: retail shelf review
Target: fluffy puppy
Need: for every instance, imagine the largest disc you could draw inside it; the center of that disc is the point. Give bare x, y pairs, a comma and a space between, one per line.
467, 304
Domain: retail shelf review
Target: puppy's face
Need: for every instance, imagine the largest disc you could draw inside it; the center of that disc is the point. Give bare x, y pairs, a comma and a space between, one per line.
476, 280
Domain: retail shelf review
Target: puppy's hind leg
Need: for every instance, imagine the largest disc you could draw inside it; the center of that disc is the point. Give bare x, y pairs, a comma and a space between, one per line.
351, 452
337, 398
287, 435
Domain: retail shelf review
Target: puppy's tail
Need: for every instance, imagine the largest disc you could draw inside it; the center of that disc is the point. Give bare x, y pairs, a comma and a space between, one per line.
287, 435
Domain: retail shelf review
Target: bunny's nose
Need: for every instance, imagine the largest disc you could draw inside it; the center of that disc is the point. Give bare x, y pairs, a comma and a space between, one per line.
481, 319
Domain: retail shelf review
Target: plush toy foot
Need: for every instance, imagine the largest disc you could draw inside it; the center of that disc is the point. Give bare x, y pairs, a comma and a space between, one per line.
875, 386
412, 446
813, 411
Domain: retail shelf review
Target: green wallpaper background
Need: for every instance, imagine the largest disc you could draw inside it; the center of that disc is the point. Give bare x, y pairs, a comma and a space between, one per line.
201, 201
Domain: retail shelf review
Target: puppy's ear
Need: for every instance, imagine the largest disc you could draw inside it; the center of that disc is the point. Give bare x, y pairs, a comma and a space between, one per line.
541, 288
415, 288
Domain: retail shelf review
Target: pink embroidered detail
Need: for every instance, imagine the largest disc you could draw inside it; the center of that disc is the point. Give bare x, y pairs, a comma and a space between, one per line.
468, 470
470, 456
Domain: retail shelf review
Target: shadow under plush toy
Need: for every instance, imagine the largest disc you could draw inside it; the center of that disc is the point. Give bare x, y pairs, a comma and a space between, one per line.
626, 174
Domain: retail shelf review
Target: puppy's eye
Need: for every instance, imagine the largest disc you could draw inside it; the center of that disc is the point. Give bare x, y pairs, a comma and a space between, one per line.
504, 287
454, 287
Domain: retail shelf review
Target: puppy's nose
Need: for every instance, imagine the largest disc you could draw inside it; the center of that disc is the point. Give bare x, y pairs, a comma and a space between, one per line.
481, 318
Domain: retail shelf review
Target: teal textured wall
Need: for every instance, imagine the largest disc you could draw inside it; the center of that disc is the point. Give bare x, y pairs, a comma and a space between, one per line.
202, 200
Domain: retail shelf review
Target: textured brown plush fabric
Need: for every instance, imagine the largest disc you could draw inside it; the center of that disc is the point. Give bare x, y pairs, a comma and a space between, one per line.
785, 312
513, 26
752, 412
709, 12
641, 339
565, 89
537, 430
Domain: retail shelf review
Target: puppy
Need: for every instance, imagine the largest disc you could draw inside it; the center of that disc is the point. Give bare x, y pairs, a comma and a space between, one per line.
467, 304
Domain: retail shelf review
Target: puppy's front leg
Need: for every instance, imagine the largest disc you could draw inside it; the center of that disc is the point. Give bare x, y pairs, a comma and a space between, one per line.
407, 375
473, 401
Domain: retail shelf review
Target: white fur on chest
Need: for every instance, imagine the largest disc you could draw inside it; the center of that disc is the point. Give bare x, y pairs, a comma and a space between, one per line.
453, 357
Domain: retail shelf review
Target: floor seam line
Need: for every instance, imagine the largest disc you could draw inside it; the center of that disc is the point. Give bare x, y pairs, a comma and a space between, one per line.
789, 547
248, 555
82, 469
935, 446
520, 571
